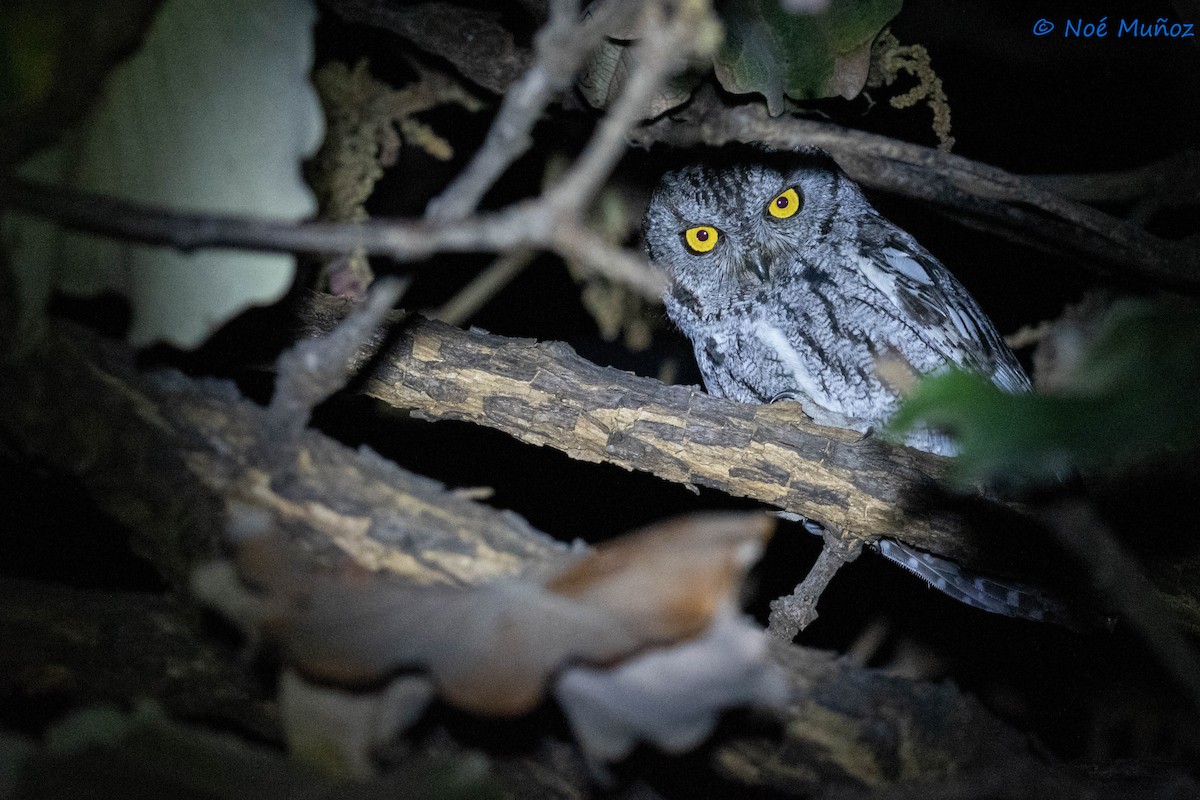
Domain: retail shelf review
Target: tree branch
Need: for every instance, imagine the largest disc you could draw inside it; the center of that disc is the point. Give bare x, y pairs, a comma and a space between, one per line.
183, 462
667, 41
546, 395
795, 612
560, 49
986, 196
311, 371
1037, 211
526, 224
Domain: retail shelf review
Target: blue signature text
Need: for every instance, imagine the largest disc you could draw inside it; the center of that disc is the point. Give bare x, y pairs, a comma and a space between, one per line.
1079, 28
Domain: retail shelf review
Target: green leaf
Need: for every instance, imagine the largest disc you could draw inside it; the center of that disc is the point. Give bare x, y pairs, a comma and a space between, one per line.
1136, 396
802, 56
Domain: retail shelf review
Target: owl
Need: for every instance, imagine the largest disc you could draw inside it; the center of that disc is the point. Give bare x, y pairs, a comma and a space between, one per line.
790, 285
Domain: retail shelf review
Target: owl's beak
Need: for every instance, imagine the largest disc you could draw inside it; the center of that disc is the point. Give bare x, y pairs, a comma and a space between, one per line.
759, 266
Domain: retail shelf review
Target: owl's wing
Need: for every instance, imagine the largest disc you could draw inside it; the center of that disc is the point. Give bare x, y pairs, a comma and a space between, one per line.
944, 314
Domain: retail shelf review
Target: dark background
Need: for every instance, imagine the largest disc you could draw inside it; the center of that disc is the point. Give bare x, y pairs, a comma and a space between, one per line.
1024, 103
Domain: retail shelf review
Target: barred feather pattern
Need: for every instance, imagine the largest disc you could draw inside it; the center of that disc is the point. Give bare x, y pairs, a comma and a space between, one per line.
808, 306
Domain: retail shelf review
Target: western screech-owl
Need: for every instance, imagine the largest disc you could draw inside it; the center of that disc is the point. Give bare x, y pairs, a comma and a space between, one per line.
790, 285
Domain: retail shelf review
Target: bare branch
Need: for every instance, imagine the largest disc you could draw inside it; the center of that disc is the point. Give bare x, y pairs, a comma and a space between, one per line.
179, 458
201, 460
180, 461
985, 196
523, 225
665, 45
552, 222
310, 371
560, 49
795, 612
1033, 210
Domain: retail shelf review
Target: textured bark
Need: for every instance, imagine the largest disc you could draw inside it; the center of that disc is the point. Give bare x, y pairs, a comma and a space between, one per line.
546, 395
66, 648
182, 461
848, 732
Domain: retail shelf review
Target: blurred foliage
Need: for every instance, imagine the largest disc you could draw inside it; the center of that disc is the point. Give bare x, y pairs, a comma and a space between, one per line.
214, 113
54, 55
367, 122
1134, 395
30, 38
782, 55
799, 56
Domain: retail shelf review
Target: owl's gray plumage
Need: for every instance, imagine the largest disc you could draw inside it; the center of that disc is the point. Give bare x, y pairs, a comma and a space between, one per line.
807, 307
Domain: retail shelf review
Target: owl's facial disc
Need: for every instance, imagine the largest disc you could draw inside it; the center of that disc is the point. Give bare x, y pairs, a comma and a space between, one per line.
701, 240
758, 265
779, 209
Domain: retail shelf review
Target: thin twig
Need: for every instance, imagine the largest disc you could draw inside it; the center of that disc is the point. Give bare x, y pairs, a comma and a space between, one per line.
483, 287
553, 222
795, 612
525, 224
663, 48
1119, 579
560, 50
311, 370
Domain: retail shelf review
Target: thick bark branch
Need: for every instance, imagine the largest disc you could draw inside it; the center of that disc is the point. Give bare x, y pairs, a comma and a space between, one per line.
142, 646
546, 395
182, 462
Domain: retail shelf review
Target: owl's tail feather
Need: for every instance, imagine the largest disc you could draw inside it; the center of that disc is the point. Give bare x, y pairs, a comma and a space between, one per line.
989, 594
1007, 597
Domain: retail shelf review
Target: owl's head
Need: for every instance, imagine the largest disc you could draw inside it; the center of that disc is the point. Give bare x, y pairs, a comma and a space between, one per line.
725, 228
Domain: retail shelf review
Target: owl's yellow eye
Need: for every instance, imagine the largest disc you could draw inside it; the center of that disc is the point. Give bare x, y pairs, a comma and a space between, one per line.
702, 238
785, 205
